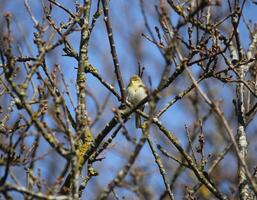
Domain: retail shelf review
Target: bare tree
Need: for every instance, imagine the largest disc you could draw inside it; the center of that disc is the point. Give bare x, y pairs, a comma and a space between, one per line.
67, 128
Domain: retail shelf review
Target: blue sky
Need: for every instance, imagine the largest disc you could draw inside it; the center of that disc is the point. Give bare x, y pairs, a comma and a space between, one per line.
127, 21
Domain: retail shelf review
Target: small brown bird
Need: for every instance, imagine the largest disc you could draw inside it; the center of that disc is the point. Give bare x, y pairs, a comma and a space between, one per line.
136, 92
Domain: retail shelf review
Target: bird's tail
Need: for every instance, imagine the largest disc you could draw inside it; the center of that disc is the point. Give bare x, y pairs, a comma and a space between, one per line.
138, 121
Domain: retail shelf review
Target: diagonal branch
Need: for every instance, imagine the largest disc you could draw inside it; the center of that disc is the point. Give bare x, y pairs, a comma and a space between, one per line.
113, 50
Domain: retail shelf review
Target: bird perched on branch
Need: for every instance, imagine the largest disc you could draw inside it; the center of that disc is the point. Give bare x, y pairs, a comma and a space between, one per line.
136, 92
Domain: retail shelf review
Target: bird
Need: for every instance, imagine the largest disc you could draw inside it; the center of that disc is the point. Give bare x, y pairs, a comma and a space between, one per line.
136, 92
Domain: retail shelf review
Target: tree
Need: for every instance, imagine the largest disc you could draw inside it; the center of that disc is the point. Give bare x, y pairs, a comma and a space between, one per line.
67, 129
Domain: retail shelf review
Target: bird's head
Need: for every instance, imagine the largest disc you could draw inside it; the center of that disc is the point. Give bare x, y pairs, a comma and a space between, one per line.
135, 79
